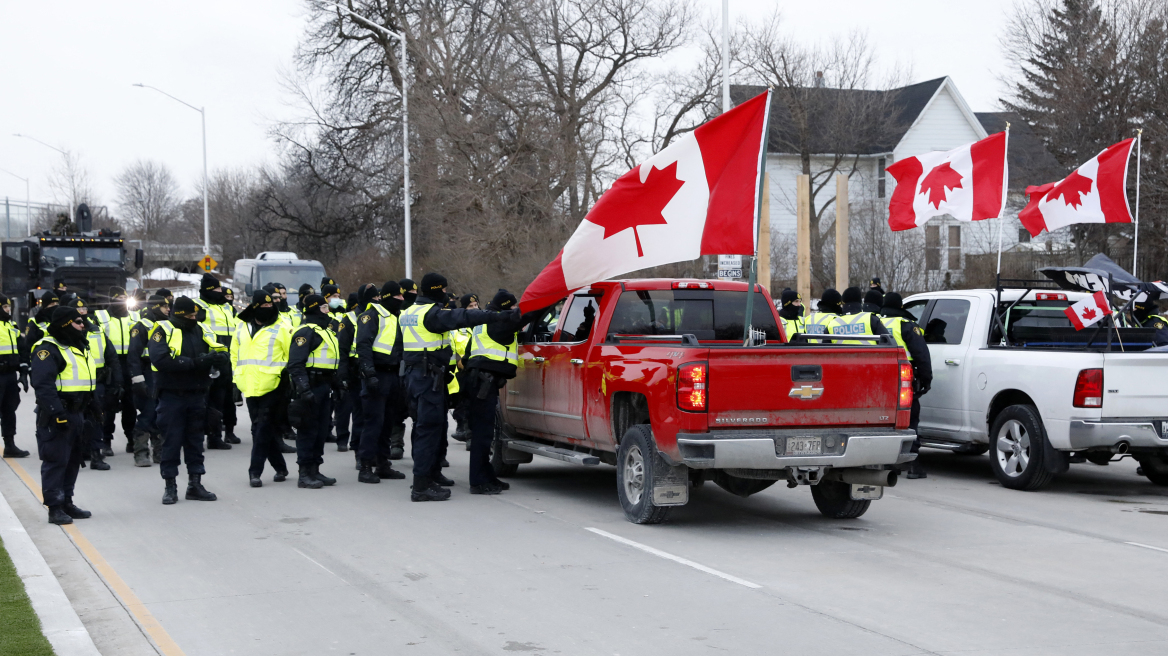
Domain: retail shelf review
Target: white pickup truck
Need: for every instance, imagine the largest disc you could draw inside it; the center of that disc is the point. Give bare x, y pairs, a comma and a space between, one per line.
1036, 393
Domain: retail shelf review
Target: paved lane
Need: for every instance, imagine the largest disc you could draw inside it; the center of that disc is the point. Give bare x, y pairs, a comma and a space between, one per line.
952, 564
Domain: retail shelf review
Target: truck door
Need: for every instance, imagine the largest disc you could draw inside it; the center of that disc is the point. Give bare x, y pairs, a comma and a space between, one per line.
566, 359
948, 332
523, 402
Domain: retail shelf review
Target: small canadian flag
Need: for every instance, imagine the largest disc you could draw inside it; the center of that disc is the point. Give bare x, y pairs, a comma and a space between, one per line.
1088, 311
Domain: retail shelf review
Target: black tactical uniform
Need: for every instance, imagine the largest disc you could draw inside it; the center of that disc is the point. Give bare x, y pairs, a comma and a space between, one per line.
382, 401
490, 363
907, 333
313, 364
147, 437
349, 402
13, 365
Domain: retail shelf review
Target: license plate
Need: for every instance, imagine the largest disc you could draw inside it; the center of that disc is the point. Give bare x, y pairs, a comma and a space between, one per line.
804, 446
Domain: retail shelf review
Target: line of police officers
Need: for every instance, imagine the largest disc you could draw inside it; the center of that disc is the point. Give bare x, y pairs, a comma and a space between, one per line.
175, 368
871, 313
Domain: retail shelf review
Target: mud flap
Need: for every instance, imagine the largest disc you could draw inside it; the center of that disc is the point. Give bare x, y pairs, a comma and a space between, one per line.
670, 483
1055, 462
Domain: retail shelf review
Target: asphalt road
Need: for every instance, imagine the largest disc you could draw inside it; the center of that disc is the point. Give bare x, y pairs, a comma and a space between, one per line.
953, 564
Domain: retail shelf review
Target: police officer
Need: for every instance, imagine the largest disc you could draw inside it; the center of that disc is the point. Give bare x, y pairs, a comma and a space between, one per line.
62, 291
874, 283
460, 340
336, 312
313, 363
873, 301
220, 320
791, 313
825, 316
147, 439
106, 392
280, 293
855, 320
852, 301
259, 354
167, 294
229, 296
911, 338
38, 322
117, 324
379, 357
491, 360
1142, 312
304, 292
13, 366
344, 324
425, 328
64, 377
185, 354
397, 431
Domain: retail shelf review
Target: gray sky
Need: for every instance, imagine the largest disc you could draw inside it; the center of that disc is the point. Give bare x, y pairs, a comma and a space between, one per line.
69, 65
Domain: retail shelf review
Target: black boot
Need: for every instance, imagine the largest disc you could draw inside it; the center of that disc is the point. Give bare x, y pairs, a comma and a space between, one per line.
357, 457
170, 496
386, 470
502, 485
285, 448
196, 491
429, 493
325, 480
10, 450
441, 479
75, 512
367, 474
97, 462
231, 438
58, 516
342, 447
107, 449
306, 479
254, 480
215, 441
280, 477
129, 445
331, 437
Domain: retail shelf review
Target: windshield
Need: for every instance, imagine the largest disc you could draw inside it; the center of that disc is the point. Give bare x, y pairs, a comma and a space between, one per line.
292, 277
55, 257
707, 315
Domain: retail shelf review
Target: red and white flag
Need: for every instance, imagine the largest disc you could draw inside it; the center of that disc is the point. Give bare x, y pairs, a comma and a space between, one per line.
1088, 311
1095, 193
697, 197
967, 183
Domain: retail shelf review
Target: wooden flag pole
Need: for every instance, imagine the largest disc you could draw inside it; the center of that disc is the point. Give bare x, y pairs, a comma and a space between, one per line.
803, 237
842, 274
1136, 245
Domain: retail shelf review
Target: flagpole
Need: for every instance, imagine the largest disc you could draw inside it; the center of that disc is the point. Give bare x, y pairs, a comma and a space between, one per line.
1136, 245
1001, 221
753, 277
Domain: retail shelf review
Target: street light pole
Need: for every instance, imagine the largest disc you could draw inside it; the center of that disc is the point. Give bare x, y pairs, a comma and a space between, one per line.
27, 203
206, 207
64, 154
405, 127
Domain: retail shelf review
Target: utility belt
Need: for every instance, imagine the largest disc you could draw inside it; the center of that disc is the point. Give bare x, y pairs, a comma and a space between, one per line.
483, 382
430, 370
320, 376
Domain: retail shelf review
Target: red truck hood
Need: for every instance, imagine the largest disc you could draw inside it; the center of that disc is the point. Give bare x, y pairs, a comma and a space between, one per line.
763, 387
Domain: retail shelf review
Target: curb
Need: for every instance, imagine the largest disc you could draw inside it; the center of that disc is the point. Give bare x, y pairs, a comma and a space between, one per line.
59, 621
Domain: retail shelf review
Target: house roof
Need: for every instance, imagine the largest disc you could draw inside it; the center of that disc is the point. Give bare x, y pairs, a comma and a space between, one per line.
1029, 160
901, 108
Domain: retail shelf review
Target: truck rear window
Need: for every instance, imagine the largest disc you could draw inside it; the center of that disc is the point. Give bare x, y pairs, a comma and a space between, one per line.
705, 314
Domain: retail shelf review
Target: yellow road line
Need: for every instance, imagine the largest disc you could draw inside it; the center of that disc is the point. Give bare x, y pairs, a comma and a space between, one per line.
145, 618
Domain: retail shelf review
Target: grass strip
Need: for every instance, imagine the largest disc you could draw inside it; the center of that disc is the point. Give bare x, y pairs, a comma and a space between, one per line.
20, 629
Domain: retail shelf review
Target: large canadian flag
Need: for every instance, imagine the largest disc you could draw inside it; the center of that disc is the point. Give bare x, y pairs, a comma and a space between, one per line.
699, 196
967, 183
1094, 193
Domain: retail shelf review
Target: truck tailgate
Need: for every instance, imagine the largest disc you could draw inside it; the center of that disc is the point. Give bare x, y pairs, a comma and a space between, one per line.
803, 386
1134, 385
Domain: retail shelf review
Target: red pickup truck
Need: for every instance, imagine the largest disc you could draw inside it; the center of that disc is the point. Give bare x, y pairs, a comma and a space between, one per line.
653, 376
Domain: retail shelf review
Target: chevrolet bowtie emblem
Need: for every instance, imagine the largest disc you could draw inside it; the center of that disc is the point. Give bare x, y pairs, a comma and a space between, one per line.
806, 392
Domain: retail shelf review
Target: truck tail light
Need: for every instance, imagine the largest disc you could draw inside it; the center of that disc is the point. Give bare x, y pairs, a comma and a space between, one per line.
906, 390
693, 285
692, 385
1047, 296
1089, 389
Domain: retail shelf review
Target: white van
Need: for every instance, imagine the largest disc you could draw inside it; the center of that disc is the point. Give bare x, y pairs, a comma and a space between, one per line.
278, 267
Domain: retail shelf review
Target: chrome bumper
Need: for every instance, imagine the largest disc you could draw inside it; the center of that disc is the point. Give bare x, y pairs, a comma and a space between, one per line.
758, 450
1089, 434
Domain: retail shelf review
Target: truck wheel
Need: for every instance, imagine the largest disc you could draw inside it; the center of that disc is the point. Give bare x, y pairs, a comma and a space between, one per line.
501, 468
1155, 468
834, 500
634, 476
1018, 449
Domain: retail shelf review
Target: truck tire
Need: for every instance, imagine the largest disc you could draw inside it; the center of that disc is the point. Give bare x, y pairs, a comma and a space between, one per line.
1018, 449
502, 469
1155, 468
634, 476
834, 500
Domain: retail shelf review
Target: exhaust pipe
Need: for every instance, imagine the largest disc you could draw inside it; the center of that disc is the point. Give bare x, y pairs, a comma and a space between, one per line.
1121, 447
858, 476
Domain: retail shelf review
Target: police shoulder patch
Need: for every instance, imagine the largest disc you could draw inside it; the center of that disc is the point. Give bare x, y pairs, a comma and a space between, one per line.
1158, 325
134, 333
919, 331
42, 354
364, 318
301, 341
157, 336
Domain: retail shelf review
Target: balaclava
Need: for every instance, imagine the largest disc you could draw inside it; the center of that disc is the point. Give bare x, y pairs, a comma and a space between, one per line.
787, 307
117, 306
265, 316
503, 300
873, 297
207, 293
388, 291
365, 295
155, 306
315, 310
282, 306
433, 286
184, 313
61, 328
853, 295
305, 290
409, 291
352, 302
49, 301
830, 303
5, 316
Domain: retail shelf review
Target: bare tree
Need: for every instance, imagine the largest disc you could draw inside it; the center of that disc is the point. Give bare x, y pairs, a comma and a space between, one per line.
148, 198
71, 182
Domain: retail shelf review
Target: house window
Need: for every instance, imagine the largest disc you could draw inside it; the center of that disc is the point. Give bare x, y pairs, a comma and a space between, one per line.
954, 248
1023, 236
881, 177
932, 247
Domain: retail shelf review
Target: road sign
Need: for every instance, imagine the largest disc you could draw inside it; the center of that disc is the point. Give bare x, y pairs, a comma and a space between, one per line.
207, 263
729, 266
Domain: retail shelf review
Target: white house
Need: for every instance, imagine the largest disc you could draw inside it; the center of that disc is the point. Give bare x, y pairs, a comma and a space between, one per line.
922, 117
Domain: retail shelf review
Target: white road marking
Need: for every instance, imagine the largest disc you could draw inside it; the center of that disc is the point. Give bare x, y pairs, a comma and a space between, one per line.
677, 559
319, 565
1146, 546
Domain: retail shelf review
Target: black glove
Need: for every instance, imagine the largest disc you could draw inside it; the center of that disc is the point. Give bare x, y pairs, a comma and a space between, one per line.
926, 385
140, 389
24, 376
372, 383
306, 397
184, 362
236, 395
114, 393
220, 358
297, 412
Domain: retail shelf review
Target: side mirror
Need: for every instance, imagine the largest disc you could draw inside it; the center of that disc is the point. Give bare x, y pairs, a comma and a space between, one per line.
139, 258
247, 289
